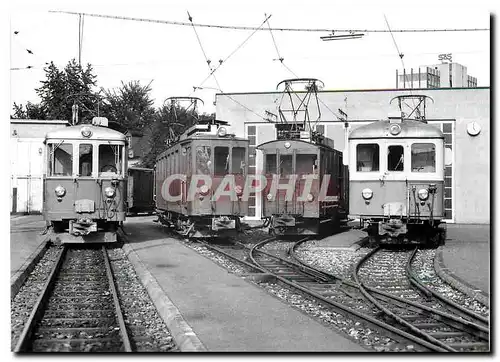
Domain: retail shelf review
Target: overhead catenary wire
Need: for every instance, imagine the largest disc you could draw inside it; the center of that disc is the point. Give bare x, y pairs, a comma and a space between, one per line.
280, 58
208, 61
237, 27
401, 55
232, 53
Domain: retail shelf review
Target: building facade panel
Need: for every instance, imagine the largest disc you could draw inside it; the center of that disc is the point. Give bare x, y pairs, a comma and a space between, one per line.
468, 190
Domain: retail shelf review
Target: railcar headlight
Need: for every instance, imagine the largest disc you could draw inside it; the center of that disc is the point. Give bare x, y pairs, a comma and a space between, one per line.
109, 191
239, 190
310, 197
60, 191
222, 131
287, 144
367, 194
423, 194
204, 189
86, 132
269, 197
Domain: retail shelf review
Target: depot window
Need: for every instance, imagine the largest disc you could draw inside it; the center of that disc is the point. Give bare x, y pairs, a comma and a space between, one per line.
423, 157
238, 160
367, 157
221, 161
395, 158
110, 160
60, 159
85, 159
203, 155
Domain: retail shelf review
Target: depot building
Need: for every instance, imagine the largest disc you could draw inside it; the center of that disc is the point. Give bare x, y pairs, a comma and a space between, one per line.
462, 114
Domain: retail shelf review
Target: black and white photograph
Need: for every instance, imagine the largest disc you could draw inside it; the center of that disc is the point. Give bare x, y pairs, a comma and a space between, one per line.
241, 177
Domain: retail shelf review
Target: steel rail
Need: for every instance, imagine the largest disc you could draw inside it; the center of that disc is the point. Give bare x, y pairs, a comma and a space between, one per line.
452, 319
25, 337
342, 307
415, 281
400, 320
118, 309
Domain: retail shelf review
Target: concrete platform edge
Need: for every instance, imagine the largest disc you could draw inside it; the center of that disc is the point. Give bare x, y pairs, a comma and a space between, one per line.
184, 336
19, 277
455, 281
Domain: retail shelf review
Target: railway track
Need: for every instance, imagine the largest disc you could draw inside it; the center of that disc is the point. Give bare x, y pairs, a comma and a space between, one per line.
444, 326
78, 309
387, 280
321, 287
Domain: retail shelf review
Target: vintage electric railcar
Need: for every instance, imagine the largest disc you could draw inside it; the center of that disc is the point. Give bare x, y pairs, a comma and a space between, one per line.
85, 183
396, 169
294, 208
199, 182
140, 191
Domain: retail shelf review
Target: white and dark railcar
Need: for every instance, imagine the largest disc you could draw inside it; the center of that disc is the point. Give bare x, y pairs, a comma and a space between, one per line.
85, 183
396, 169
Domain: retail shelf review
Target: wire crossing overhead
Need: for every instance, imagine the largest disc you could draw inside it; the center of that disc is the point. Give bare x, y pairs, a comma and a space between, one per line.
234, 27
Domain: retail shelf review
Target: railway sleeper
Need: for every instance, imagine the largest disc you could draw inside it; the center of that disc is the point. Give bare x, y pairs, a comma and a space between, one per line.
470, 345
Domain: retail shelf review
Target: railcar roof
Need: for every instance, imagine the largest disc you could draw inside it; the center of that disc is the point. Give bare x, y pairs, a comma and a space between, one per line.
203, 137
273, 144
409, 129
75, 132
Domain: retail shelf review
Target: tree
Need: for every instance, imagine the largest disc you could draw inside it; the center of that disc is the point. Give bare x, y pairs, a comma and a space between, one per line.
130, 106
64, 88
31, 111
170, 122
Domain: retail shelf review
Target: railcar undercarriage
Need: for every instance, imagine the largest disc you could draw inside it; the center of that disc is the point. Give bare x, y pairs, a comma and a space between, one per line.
204, 226
398, 231
83, 231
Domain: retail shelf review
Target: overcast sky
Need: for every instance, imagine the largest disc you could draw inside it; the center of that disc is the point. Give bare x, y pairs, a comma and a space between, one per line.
171, 58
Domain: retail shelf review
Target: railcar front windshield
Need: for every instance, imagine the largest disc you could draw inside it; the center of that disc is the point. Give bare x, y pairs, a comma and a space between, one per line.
305, 164
395, 158
367, 157
271, 164
238, 160
423, 157
60, 161
85, 159
221, 161
203, 163
286, 165
110, 160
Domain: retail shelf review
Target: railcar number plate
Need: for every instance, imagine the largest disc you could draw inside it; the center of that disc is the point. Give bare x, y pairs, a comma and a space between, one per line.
394, 209
84, 205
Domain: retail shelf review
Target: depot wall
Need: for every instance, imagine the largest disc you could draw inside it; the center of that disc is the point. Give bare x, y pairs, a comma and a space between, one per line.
27, 155
457, 107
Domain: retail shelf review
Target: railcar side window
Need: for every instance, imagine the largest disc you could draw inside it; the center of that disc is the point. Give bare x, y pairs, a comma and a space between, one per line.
85, 159
60, 159
221, 161
367, 157
305, 164
395, 158
110, 160
238, 161
203, 155
271, 164
423, 157
286, 166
